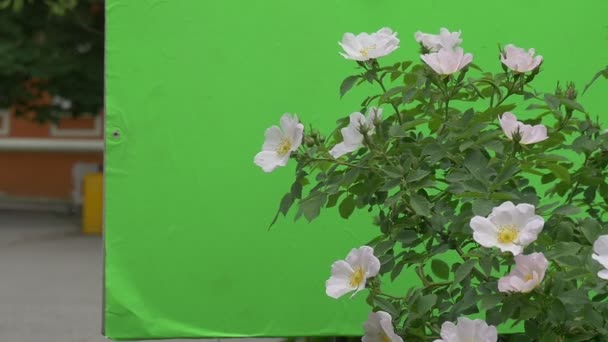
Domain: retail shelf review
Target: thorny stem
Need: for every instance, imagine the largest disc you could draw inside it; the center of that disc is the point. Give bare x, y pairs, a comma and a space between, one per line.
389, 296
509, 92
475, 270
421, 275
336, 161
447, 95
397, 112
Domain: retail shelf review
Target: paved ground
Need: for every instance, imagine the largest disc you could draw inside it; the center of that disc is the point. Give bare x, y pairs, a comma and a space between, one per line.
50, 279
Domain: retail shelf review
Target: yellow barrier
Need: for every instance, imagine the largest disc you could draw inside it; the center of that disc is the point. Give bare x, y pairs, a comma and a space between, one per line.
92, 206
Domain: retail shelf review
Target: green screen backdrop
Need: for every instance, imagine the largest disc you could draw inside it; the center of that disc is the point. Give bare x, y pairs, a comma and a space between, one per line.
191, 87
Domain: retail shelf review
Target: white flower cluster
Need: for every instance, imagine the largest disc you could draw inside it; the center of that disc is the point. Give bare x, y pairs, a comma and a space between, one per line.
445, 57
511, 228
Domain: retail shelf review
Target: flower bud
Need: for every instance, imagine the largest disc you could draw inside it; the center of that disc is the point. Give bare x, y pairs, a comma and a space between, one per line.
571, 91
377, 120
559, 92
309, 142
363, 129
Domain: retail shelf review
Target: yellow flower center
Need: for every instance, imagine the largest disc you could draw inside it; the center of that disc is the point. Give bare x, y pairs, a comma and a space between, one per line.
364, 52
528, 277
507, 234
357, 278
284, 147
384, 337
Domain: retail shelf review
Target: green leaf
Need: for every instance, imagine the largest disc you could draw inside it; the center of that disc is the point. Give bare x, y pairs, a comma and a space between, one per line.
583, 337
387, 306
388, 185
463, 271
350, 176
389, 93
482, 207
569, 260
409, 94
411, 124
311, 206
393, 171
584, 144
424, 304
528, 311
395, 75
556, 313
383, 247
591, 229
566, 210
486, 264
552, 102
493, 317
396, 131
477, 163
407, 236
595, 77
490, 301
508, 308
348, 83
420, 205
469, 300
332, 199
440, 269
592, 316
401, 131
549, 336
507, 173
456, 176
416, 175
559, 171
464, 146
286, 203
573, 297
347, 206
563, 248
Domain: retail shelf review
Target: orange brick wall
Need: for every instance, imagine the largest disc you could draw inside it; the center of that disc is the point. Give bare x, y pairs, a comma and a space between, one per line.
42, 174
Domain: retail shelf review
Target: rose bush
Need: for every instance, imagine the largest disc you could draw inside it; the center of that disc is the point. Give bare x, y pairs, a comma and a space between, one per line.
501, 220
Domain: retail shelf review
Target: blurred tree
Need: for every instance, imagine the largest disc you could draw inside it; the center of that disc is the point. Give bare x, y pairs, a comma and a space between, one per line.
51, 57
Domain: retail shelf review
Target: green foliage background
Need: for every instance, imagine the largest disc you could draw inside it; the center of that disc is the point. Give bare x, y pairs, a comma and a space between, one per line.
191, 88
51, 48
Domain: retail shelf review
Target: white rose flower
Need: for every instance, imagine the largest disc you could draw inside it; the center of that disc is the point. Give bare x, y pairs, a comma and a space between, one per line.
600, 247
528, 273
447, 61
279, 143
379, 328
435, 42
527, 134
518, 60
365, 46
508, 227
352, 274
351, 134
466, 330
